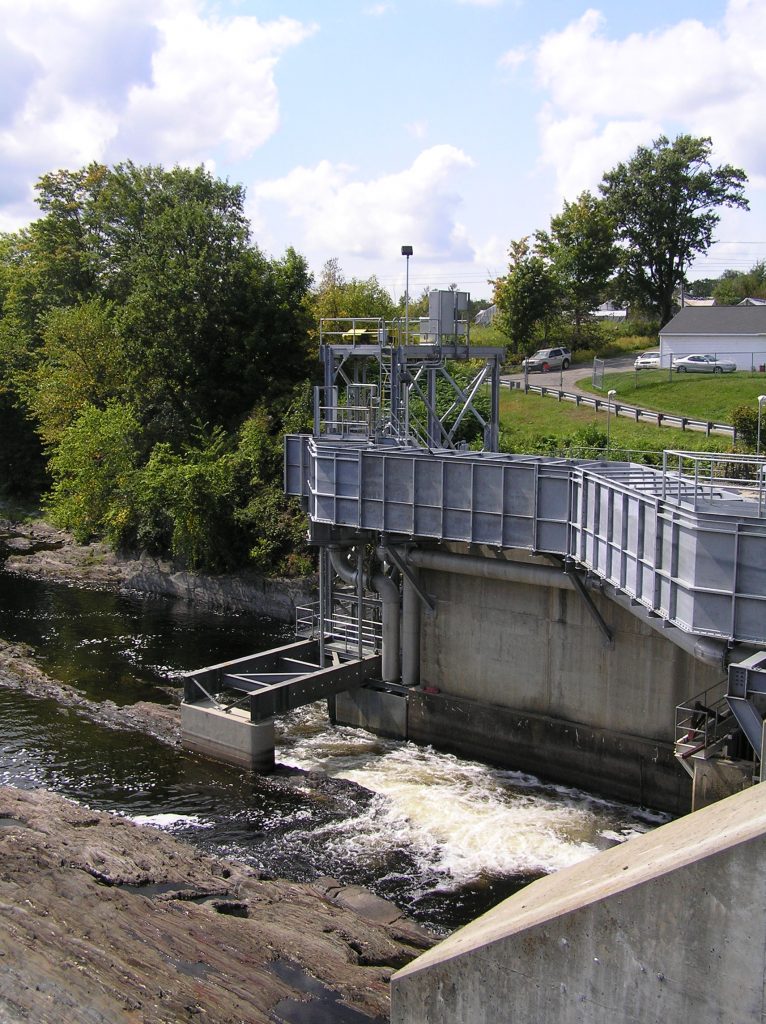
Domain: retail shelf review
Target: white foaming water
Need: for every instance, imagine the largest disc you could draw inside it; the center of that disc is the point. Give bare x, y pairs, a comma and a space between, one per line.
462, 818
168, 821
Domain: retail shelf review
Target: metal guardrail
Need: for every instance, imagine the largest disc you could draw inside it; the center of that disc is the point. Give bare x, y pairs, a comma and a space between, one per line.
659, 419
341, 627
702, 477
703, 725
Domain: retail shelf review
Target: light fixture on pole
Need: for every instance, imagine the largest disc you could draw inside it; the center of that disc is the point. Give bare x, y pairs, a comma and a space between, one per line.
609, 396
407, 251
761, 400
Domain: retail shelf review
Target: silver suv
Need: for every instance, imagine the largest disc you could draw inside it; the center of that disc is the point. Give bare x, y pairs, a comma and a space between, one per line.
546, 359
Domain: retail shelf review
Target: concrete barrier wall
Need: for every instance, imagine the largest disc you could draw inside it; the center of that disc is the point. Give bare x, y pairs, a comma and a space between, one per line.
669, 926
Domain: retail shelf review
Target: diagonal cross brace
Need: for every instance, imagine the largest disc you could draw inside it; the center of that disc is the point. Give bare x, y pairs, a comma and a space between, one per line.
393, 556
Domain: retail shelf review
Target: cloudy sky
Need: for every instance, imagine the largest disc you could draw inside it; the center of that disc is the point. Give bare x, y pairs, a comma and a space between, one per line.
450, 125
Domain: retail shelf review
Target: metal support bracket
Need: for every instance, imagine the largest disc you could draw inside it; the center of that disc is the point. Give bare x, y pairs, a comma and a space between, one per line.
589, 603
393, 555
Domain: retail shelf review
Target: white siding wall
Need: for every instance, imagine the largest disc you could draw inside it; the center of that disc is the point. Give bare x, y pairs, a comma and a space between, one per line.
748, 352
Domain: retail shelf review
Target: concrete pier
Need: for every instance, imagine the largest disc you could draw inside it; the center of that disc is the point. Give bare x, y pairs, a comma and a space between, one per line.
228, 735
666, 927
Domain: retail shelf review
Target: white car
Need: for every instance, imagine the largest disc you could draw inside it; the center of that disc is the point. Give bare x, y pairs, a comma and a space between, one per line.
703, 364
647, 361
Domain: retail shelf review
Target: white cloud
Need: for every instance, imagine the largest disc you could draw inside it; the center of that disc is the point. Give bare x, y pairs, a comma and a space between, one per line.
154, 80
513, 58
605, 95
373, 218
212, 85
378, 10
417, 129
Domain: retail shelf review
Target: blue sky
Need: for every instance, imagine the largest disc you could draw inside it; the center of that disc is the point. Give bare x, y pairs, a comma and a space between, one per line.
358, 126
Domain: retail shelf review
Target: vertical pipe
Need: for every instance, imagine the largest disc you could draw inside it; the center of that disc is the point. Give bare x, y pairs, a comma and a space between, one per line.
323, 580
410, 634
389, 597
359, 599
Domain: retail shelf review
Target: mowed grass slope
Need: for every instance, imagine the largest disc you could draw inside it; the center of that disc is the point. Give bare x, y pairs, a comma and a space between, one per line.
531, 423
701, 396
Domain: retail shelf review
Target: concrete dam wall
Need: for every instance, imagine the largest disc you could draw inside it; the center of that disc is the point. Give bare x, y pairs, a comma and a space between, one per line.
527, 679
667, 927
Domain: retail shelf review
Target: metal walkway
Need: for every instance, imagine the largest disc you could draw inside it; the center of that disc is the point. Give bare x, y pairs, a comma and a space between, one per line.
687, 542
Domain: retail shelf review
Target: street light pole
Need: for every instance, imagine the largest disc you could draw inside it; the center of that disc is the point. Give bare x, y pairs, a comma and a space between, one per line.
407, 252
761, 400
609, 396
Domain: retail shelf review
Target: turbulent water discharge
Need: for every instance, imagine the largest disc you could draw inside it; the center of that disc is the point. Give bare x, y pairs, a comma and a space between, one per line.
444, 837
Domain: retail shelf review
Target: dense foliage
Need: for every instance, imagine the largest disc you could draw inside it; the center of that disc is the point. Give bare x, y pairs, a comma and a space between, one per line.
633, 244
155, 352
733, 286
664, 202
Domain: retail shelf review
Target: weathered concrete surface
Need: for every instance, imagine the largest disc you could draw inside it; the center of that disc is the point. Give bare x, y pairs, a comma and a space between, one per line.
107, 922
228, 736
717, 778
537, 649
548, 694
670, 926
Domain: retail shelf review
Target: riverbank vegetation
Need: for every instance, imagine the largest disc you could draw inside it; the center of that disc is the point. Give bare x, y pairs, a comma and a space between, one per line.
151, 357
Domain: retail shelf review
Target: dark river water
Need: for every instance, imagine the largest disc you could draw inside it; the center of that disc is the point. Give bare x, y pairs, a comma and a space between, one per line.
443, 837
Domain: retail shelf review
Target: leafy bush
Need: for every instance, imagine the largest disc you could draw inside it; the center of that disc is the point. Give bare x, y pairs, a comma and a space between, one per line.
745, 421
93, 469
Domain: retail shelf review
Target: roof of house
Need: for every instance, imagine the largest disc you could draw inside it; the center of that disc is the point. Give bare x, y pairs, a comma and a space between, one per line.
724, 320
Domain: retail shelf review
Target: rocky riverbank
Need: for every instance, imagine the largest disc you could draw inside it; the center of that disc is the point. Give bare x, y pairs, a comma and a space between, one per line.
104, 921
40, 550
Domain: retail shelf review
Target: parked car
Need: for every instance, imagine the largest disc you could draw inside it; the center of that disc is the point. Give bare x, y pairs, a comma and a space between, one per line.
546, 359
647, 361
703, 364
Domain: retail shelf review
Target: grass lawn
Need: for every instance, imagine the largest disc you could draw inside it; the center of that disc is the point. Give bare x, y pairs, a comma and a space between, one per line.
699, 395
532, 423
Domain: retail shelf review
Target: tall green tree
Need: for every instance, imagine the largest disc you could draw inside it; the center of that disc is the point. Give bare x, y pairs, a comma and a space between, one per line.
140, 328
527, 297
360, 297
665, 202
580, 248
733, 286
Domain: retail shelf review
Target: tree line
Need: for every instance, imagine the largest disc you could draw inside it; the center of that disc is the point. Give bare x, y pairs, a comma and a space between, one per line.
634, 243
152, 356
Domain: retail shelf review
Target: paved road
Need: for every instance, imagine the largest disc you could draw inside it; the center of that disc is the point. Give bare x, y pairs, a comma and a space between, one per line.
567, 379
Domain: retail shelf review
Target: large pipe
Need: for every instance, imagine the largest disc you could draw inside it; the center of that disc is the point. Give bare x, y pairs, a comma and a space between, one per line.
346, 567
491, 568
704, 648
410, 634
389, 598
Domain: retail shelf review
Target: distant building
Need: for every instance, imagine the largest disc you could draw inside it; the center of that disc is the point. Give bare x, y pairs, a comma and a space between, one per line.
690, 300
737, 332
752, 302
609, 311
485, 316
